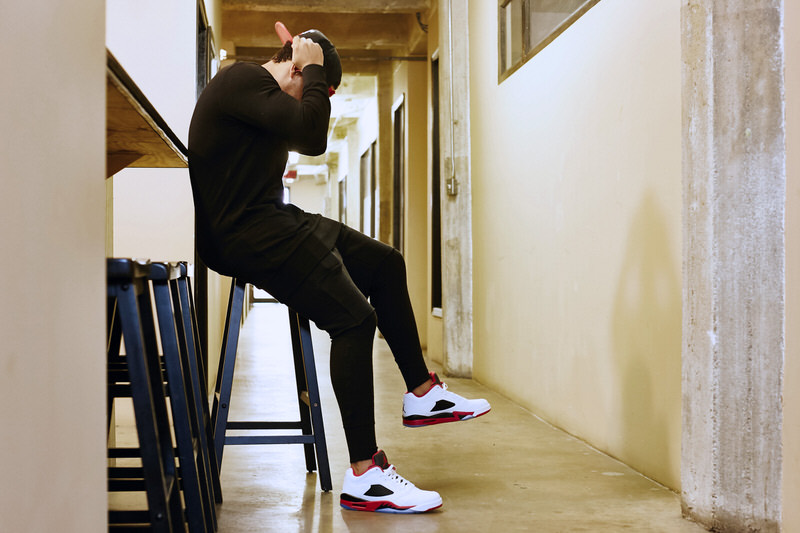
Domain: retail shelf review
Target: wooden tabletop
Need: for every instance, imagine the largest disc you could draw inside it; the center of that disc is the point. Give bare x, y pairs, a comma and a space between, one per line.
136, 135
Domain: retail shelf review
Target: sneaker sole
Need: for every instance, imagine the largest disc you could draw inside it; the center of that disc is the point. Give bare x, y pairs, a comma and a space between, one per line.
384, 506
455, 416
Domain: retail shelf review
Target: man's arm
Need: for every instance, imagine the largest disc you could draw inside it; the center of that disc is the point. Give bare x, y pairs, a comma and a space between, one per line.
308, 58
306, 52
256, 98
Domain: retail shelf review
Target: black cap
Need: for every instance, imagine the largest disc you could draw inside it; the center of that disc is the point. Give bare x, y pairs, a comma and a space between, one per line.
333, 65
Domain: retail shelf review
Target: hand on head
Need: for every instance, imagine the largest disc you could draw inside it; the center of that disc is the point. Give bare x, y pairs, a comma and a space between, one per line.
306, 52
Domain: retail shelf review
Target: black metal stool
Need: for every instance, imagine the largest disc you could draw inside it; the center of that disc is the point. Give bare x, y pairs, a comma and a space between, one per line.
187, 420
198, 477
313, 432
130, 303
188, 316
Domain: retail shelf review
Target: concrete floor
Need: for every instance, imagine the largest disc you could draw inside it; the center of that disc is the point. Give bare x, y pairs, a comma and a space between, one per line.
506, 471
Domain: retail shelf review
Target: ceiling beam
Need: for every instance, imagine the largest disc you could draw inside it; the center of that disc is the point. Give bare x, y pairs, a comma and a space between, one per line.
347, 31
329, 6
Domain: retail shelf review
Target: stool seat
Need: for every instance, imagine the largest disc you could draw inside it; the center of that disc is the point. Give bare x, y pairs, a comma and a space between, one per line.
124, 268
164, 271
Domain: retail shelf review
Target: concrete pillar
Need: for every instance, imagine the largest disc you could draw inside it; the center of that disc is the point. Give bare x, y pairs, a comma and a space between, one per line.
734, 180
385, 185
456, 188
790, 515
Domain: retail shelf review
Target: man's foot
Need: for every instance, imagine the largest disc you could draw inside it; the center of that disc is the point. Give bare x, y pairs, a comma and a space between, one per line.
438, 405
381, 489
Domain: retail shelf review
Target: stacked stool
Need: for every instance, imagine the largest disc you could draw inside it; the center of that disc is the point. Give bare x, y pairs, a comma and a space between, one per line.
188, 315
310, 424
177, 496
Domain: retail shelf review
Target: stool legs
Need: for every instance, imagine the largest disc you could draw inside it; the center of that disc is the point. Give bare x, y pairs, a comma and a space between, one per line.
310, 424
194, 362
184, 418
147, 390
189, 406
227, 361
114, 360
308, 397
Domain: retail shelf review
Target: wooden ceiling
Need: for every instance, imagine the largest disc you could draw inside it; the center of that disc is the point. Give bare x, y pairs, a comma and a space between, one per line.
365, 32
358, 28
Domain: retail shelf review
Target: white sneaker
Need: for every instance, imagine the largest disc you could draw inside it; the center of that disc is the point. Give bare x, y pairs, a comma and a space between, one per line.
439, 405
381, 489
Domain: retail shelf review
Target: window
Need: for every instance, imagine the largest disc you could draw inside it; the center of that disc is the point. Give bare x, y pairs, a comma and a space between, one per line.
436, 196
206, 56
511, 17
526, 26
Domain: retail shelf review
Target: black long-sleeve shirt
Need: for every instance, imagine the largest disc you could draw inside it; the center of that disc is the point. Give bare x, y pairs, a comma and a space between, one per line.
241, 131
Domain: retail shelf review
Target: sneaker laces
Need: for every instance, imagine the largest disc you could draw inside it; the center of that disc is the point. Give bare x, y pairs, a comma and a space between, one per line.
397, 478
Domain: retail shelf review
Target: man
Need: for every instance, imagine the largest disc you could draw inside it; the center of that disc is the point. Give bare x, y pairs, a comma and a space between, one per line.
245, 122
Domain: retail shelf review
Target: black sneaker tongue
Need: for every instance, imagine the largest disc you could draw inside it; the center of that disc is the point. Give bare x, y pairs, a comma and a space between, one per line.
379, 459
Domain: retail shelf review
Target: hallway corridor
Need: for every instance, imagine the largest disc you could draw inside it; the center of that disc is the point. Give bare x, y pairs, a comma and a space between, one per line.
506, 471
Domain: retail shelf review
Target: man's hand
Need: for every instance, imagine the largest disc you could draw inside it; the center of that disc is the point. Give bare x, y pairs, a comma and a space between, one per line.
306, 52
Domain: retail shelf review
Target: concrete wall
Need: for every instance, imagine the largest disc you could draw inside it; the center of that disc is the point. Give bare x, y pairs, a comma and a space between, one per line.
734, 293
791, 383
52, 268
577, 228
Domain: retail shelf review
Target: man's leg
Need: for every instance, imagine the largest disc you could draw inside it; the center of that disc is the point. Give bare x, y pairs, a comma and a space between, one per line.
330, 299
379, 271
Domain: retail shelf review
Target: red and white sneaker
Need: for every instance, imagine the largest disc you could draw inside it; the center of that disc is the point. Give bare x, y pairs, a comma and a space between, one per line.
439, 405
381, 489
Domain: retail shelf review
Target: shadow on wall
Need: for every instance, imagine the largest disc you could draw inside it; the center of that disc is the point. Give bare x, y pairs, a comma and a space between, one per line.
646, 327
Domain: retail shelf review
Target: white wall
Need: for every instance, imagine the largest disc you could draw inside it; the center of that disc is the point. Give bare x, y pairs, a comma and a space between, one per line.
153, 211
52, 268
410, 82
577, 228
434, 341
154, 214
310, 196
156, 44
359, 138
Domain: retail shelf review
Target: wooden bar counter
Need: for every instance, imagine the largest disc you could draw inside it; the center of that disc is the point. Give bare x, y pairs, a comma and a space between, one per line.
136, 135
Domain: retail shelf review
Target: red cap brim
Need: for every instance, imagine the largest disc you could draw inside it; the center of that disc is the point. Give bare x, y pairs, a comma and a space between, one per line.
283, 34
